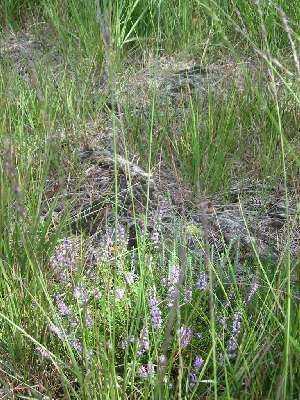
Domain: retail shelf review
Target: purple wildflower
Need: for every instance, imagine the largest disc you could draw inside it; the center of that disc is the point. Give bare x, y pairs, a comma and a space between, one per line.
198, 363
81, 294
236, 325
127, 341
63, 277
56, 330
76, 344
185, 336
97, 294
129, 278
252, 292
121, 235
232, 346
143, 372
154, 310
193, 378
174, 275
188, 295
202, 283
223, 321
233, 340
64, 259
173, 292
155, 237
146, 371
163, 360
44, 353
88, 319
119, 294
64, 309
143, 342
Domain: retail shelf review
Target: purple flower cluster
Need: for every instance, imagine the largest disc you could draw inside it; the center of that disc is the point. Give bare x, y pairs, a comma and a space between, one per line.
56, 331
88, 318
81, 294
129, 278
252, 292
202, 282
119, 294
146, 371
156, 234
64, 310
174, 275
64, 260
198, 362
126, 342
223, 321
75, 343
163, 361
44, 353
188, 295
155, 237
143, 346
154, 309
233, 340
185, 336
121, 236
173, 291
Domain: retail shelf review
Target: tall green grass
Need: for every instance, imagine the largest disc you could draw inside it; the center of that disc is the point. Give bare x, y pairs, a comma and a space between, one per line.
162, 23
249, 347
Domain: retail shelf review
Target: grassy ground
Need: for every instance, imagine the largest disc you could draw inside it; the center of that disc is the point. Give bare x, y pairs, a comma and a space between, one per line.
155, 321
